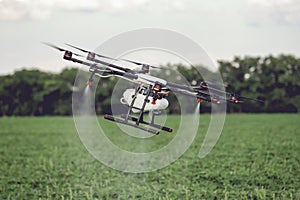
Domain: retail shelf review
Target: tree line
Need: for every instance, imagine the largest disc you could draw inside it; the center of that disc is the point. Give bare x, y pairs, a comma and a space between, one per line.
274, 79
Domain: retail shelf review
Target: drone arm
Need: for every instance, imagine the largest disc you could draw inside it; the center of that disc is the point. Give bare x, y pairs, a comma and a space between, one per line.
184, 87
124, 74
86, 63
200, 97
111, 65
175, 90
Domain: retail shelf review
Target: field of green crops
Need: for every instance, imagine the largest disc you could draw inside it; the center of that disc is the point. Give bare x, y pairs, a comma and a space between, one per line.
256, 157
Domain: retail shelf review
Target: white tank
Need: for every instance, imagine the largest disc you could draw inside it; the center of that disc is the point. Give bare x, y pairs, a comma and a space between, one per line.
161, 104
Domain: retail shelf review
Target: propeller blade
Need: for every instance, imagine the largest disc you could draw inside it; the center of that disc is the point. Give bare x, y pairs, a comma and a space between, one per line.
213, 90
214, 83
258, 100
154, 67
102, 56
107, 57
60, 49
85, 51
137, 63
53, 46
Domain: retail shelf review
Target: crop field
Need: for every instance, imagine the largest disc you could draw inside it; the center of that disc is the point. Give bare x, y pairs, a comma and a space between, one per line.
256, 157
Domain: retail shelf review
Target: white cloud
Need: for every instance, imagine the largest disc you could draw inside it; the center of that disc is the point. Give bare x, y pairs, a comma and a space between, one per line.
42, 9
12, 10
273, 11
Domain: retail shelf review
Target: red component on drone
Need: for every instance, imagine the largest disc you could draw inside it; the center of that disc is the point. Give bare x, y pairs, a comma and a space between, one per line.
203, 85
234, 99
91, 56
145, 68
68, 55
157, 88
89, 83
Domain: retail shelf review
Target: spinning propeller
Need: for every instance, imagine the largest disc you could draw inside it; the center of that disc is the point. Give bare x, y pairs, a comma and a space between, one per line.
67, 52
91, 56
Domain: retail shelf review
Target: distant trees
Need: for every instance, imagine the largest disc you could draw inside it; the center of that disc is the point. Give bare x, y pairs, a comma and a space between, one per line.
273, 79
276, 80
31, 92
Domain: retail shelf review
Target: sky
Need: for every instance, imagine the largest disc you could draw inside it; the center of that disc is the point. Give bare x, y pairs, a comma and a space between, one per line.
223, 28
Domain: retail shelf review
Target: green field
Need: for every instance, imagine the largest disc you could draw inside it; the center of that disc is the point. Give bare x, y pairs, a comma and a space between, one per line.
257, 157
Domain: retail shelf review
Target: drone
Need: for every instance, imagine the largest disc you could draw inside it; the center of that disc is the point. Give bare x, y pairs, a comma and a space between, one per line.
150, 93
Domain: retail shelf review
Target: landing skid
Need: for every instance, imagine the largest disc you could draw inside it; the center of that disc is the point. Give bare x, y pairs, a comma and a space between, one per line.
164, 128
122, 121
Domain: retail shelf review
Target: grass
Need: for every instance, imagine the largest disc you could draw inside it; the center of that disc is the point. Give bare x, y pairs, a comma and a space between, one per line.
257, 157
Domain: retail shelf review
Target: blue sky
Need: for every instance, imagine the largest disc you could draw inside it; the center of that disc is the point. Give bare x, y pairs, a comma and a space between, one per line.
224, 28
